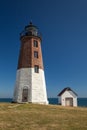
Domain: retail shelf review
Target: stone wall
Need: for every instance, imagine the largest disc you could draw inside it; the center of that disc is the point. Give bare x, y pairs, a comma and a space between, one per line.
35, 83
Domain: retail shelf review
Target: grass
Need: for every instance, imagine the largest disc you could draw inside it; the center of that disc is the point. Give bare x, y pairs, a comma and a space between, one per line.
41, 117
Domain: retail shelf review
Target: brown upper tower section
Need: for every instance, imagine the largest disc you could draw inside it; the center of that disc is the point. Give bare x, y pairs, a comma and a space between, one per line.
30, 51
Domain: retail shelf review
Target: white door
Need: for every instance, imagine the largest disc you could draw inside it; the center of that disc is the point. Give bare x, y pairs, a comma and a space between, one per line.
69, 101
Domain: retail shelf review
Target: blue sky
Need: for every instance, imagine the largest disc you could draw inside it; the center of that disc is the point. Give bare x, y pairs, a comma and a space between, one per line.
63, 24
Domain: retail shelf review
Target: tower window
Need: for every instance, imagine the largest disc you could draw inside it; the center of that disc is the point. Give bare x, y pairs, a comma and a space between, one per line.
35, 54
36, 69
35, 43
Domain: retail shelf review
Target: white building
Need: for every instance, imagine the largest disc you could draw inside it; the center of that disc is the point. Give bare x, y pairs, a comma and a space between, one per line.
68, 97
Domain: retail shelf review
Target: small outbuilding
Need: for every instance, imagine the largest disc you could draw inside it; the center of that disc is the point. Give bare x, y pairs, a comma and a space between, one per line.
68, 97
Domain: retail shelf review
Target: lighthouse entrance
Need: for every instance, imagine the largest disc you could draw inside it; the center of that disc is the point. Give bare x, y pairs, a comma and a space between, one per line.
25, 94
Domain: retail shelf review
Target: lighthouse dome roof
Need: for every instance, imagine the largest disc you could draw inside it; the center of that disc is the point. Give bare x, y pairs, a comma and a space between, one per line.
31, 30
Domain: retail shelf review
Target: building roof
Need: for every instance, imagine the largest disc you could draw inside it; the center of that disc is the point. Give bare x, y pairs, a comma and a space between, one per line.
66, 89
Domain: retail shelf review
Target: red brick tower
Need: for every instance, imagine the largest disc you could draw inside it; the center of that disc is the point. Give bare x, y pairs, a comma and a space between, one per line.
30, 81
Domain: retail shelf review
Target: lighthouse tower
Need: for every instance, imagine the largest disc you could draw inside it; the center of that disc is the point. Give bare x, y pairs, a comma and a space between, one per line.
30, 80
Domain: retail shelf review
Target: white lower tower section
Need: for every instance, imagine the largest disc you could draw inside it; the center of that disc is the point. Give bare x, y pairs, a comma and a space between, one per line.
34, 83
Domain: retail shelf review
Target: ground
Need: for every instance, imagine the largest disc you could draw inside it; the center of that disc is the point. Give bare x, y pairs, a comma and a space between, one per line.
41, 117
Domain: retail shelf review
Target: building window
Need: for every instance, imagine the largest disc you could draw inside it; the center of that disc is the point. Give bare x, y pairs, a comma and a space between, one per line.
35, 54
35, 43
36, 69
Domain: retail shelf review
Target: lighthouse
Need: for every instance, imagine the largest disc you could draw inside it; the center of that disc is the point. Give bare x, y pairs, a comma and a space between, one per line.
30, 83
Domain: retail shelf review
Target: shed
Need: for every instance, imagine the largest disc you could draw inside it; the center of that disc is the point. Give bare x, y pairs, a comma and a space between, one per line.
68, 97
